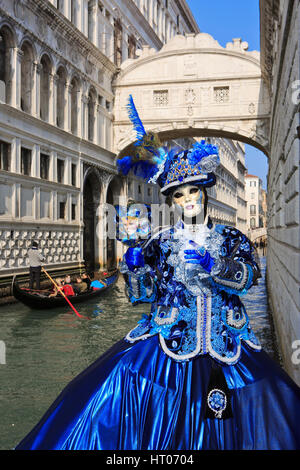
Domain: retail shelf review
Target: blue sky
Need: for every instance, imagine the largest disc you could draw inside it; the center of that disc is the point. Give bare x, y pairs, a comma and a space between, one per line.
225, 20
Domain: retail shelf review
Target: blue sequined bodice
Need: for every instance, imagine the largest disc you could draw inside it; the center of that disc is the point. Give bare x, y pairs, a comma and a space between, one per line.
192, 311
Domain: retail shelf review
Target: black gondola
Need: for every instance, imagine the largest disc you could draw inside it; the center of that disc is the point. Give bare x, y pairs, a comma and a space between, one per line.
40, 301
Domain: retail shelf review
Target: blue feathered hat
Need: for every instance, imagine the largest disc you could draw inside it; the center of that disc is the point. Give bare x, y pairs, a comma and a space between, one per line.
168, 168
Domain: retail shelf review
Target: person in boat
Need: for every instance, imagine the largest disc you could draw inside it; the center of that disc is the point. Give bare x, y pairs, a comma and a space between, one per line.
68, 289
192, 374
97, 284
85, 278
80, 286
35, 264
59, 284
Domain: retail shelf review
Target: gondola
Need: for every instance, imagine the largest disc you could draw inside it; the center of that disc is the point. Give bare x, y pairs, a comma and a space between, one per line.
40, 301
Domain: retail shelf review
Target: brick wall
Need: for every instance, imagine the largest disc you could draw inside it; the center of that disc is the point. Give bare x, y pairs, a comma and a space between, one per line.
283, 265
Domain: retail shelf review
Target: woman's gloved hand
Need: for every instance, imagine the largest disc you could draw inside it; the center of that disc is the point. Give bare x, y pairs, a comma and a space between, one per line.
199, 256
134, 258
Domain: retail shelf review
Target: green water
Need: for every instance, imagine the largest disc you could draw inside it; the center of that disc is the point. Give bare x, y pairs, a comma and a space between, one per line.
46, 349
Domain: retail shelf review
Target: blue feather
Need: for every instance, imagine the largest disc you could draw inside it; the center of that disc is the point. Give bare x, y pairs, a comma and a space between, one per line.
135, 119
124, 165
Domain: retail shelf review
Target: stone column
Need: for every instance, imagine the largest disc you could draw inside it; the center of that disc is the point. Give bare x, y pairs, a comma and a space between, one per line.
17, 201
104, 136
102, 219
93, 21
68, 107
36, 89
54, 205
36, 161
94, 118
79, 113
84, 17
80, 201
16, 155
36, 203
17, 55
68, 171
98, 124
67, 9
101, 32
150, 12
14, 201
53, 166
69, 207
124, 46
53, 79
84, 117
108, 133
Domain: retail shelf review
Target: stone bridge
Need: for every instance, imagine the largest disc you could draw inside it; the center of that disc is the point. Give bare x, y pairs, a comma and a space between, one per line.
257, 233
195, 87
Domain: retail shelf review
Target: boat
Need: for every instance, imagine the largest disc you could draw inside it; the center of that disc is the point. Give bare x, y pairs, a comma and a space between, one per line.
38, 300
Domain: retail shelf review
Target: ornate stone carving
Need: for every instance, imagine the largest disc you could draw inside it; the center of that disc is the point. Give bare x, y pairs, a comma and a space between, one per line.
19, 9
251, 108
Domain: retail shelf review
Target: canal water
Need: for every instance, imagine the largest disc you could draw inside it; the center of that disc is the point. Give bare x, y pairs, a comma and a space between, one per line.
44, 350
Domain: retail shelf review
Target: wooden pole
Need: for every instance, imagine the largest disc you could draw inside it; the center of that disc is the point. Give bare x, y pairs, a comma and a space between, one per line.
62, 293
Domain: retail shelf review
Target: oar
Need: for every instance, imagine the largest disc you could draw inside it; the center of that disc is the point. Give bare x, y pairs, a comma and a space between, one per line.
61, 292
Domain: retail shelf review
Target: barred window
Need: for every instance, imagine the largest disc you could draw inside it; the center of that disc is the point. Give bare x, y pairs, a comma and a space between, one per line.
73, 211
221, 94
60, 170
5, 156
161, 98
62, 210
25, 161
44, 166
73, 175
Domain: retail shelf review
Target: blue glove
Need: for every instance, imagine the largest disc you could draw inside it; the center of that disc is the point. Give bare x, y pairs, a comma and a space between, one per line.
134, 258
199, 256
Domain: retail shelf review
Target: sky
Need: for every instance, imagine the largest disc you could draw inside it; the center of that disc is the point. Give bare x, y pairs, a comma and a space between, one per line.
225, 20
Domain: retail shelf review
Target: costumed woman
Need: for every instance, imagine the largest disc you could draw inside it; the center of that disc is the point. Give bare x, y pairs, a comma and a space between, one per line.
191, 375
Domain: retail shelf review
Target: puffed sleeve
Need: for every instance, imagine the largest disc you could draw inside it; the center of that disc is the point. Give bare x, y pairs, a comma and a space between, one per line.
237, 269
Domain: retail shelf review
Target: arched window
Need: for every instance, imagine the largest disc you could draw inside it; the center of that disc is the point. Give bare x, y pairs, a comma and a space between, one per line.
26, 77
60, 97
45, 87
6, 43
74, 105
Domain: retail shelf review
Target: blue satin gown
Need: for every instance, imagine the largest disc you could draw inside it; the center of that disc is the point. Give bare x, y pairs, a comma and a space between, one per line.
149, 391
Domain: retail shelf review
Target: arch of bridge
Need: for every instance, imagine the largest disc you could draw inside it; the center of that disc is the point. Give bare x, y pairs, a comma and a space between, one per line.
257, 233
194, 87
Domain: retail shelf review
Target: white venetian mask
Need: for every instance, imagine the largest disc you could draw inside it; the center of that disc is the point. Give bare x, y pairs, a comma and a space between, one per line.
189, 201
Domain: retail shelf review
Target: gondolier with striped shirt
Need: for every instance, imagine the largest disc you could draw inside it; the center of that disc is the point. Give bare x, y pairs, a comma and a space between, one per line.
35, 263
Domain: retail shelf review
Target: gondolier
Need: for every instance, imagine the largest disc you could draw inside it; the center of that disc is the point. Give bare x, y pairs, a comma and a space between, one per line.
35, 263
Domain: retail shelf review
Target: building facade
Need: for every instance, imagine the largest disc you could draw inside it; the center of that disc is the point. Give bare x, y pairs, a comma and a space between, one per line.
227, 204
58, 61
254, 198
280, 41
